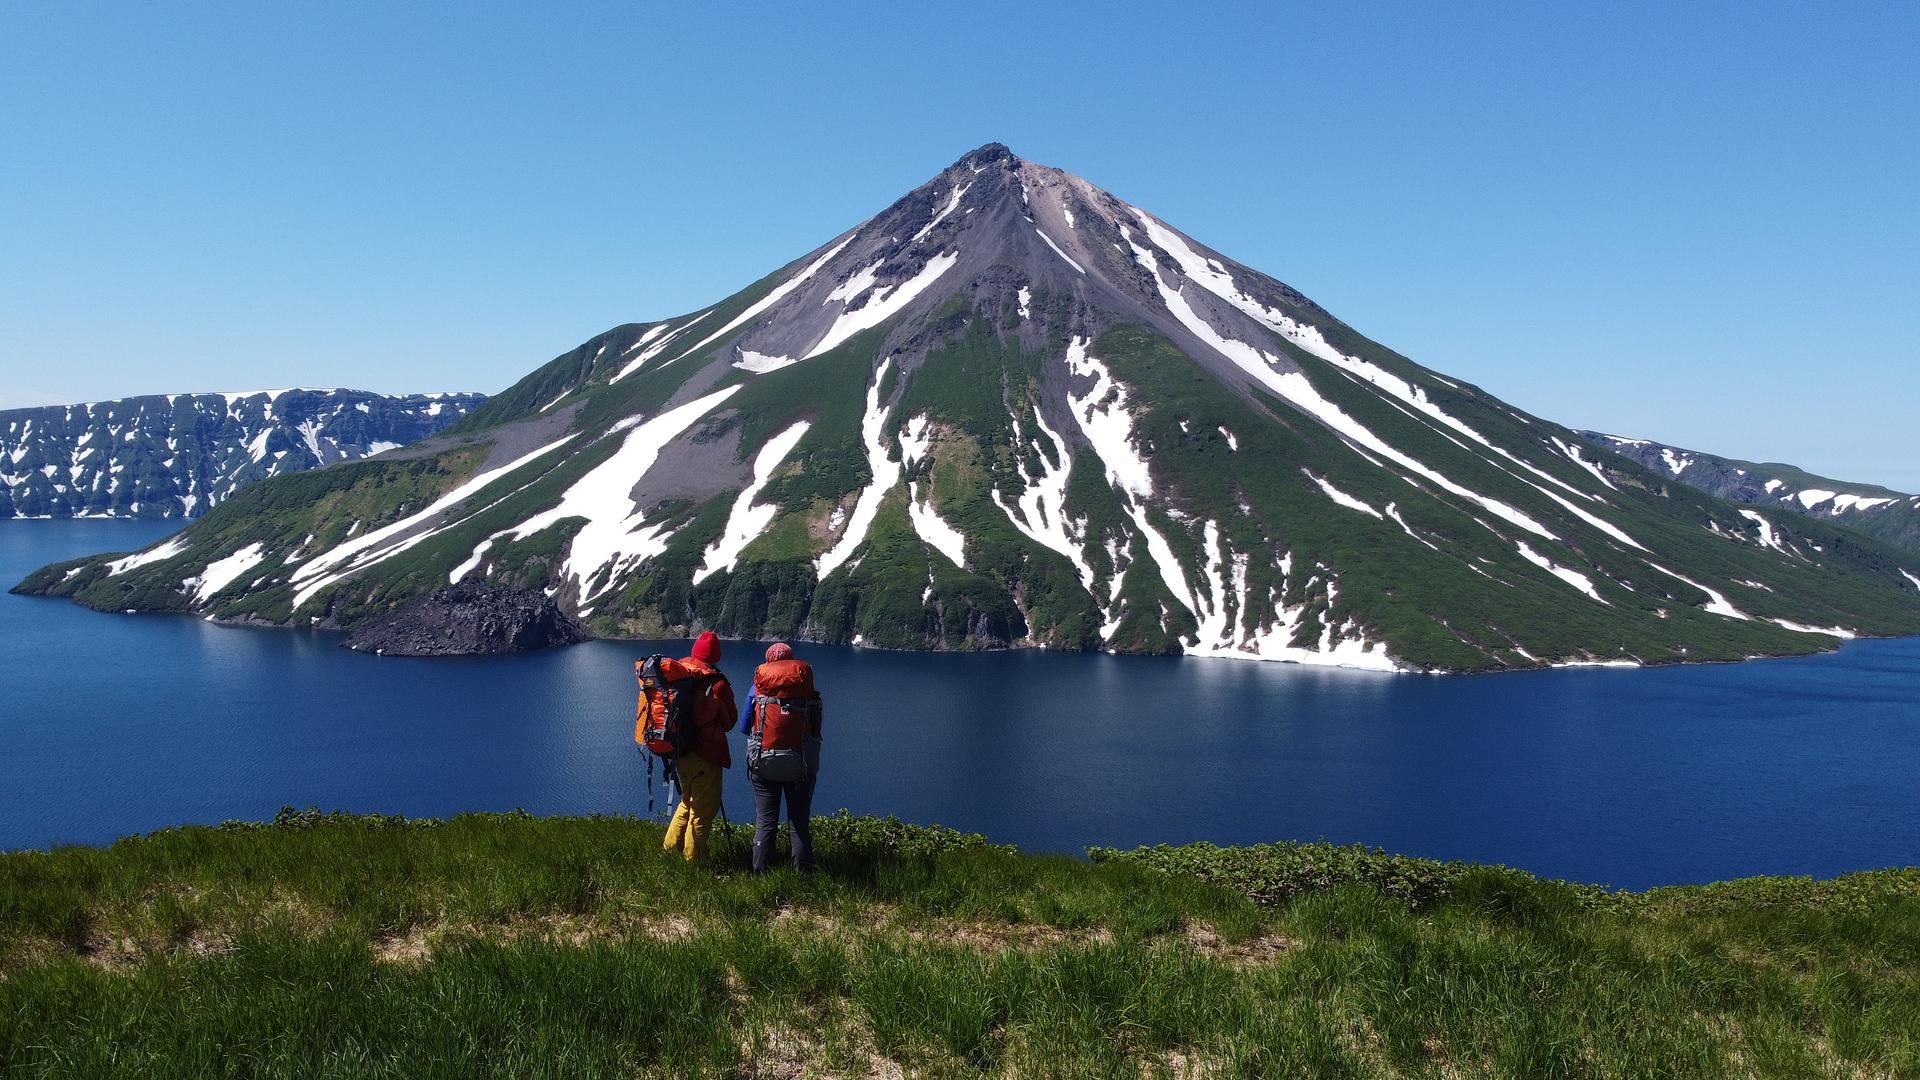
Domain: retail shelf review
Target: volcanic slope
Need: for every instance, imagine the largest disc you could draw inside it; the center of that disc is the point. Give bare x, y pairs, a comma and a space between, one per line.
1011, 409
1879, 512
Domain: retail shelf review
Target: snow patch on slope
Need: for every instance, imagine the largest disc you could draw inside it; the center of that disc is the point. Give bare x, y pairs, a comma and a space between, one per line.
1572, 577
934, 529
647, 352
1041, 511
746, 521
221, 572
1214, 278
1295, 387
1104, 417
1717, 603
761, 363
1768, 538
886, 473
1342, 497
958, 194
1573, 453
1106, 421
363, 551
1840, 632
882, 305
616, 536
770, 299
1057, 250
162, 553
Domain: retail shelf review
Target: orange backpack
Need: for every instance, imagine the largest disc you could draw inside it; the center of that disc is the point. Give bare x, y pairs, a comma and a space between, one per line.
783, 743
663, 720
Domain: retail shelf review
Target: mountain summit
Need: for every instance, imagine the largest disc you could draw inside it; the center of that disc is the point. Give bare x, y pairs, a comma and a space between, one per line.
1012, 409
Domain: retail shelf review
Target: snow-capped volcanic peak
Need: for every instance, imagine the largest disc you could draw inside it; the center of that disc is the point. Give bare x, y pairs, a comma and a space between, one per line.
1011, 408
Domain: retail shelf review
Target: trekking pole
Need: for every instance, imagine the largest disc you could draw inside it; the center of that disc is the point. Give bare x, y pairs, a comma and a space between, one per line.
727, 826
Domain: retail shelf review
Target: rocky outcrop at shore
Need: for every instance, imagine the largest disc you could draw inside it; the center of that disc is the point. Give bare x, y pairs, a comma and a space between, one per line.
470, 618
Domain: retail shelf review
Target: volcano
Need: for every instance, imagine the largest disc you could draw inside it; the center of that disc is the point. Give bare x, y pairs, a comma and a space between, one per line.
1012, 409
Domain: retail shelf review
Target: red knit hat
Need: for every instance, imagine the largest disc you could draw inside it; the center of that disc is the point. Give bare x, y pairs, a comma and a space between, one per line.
706, 648
779, 650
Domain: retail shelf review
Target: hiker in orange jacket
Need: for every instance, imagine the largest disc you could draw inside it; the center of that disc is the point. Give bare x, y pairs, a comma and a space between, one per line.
699, 769
782, 724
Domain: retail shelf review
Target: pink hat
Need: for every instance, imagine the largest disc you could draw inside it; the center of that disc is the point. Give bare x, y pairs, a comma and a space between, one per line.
779, 650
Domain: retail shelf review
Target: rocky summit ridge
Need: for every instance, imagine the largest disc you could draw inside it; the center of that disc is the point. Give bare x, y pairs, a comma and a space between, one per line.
1012, 409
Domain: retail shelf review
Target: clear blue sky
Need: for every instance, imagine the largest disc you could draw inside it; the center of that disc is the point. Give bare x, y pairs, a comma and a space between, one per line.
1695, 222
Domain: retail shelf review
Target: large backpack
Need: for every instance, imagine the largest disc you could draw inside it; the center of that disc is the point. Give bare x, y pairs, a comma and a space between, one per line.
783, 744
664, 720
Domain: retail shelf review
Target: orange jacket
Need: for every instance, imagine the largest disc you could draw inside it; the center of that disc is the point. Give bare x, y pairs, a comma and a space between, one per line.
713, 713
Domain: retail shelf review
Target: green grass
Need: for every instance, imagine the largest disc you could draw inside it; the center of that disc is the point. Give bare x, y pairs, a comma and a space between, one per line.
517, 946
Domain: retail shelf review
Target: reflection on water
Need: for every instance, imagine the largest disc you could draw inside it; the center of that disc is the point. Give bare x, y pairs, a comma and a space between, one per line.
121, 723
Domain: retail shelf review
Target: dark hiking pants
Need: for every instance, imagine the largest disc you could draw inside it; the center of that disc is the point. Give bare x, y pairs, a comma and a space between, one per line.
766, 812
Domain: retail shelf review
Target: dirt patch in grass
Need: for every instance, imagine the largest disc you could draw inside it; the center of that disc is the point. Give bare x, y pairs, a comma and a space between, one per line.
999, 937
418, 943
1252, 952
831, 1041
1189, 1064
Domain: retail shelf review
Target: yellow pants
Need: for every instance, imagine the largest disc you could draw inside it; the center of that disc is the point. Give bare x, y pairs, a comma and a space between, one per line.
699, 801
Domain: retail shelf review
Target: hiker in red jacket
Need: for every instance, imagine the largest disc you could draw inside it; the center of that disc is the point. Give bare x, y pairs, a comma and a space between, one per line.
782, 725
699, 768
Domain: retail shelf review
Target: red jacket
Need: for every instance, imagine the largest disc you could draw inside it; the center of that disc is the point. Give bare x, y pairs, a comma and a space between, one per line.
714, 712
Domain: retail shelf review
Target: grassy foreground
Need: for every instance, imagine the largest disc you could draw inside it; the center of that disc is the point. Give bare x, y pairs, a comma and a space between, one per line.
520, 946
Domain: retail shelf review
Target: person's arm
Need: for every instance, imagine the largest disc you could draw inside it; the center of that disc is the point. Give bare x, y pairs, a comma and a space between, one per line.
746, 716
729, 711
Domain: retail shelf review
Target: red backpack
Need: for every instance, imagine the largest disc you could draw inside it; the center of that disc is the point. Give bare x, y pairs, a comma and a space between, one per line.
664, 720
782, 745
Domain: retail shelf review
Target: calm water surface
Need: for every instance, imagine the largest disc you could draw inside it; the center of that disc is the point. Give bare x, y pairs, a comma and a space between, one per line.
111, 724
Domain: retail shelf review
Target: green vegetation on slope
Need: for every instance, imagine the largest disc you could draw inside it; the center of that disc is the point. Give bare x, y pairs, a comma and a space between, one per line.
514, 946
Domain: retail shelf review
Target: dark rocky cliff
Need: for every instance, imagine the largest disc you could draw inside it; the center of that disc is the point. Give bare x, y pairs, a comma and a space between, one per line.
470, 618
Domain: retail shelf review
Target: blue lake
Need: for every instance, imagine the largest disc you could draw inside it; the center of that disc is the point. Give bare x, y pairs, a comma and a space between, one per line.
112, 724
